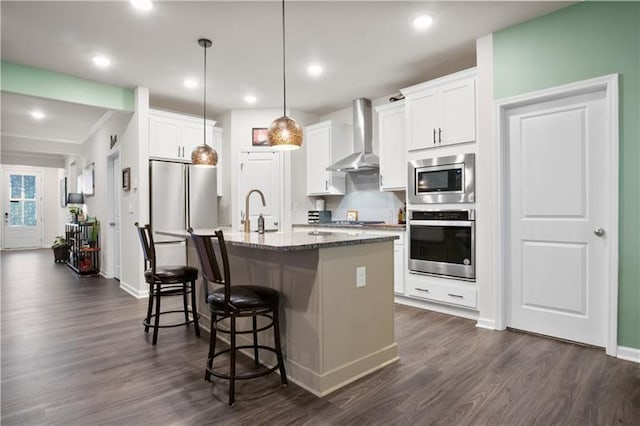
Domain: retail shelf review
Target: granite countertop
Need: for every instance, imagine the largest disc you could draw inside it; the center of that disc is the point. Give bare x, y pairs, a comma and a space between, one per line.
381, 226
287, 241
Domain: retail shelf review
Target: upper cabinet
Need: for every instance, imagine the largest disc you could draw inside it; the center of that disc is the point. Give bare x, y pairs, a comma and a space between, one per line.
173, 136
442, 111
393, 151
325, 145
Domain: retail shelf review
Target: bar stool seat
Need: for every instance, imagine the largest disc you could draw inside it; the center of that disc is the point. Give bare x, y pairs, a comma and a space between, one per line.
172, 274
245, 297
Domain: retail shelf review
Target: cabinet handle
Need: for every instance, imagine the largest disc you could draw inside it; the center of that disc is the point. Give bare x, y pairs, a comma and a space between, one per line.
381, 180
178, 152
439, 135
326, 185
183, 152
455, 295
434, 135
422, 289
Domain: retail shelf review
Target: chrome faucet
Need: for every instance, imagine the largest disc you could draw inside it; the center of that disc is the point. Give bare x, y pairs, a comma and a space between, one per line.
247, 222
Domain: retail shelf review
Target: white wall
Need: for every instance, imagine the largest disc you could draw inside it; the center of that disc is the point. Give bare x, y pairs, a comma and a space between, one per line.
96, 150
134, 153
484, 183
35, 160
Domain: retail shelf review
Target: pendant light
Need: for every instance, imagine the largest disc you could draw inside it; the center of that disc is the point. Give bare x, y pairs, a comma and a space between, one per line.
284, 134
204, 155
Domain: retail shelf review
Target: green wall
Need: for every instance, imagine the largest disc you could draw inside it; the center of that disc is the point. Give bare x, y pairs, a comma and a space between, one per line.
584, 41
51, 85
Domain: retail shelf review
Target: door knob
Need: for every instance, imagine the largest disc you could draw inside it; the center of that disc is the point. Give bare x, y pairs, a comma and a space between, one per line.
598, 231
112, 224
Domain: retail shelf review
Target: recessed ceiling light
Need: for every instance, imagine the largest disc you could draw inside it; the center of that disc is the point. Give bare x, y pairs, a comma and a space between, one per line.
101, 61
38, 115
190, 83
144, 5
250, 99
422, 22
315, 70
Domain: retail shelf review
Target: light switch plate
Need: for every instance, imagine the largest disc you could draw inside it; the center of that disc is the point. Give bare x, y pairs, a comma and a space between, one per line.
361, 276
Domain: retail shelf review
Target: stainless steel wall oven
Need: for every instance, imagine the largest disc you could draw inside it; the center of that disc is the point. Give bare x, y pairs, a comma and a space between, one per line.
442, 242
438, 180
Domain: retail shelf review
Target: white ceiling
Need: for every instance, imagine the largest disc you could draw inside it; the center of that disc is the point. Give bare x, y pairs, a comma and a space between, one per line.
369, 48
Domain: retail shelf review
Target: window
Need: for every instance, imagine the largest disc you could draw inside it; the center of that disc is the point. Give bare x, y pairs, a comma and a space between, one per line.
22, 190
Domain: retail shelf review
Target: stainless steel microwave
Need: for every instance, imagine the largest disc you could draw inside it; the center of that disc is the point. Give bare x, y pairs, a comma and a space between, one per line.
442, 180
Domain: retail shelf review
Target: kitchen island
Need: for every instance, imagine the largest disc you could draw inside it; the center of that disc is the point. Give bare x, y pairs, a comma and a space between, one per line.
333, 331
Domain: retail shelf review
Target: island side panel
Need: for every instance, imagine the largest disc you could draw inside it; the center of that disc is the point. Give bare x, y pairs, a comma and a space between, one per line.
357, 322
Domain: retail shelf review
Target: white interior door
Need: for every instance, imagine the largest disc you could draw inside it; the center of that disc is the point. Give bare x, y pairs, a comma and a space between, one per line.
116, 217
559, 247
260, 170
23, 214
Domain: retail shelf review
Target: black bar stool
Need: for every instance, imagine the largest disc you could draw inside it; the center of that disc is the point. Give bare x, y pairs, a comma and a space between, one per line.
234, 302
173, 280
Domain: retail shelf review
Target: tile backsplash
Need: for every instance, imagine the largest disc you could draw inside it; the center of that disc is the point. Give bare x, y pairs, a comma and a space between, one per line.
363, 194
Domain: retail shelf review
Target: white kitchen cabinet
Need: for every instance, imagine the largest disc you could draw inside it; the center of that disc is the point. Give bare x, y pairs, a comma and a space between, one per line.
442, 111
442, 290
173, 136
393, 150
325, 145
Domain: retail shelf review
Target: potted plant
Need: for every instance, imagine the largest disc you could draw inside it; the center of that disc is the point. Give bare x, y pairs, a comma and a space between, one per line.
60, 249
94, 232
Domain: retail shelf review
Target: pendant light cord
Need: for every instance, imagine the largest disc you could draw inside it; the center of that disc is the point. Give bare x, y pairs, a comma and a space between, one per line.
204, 113
284, 64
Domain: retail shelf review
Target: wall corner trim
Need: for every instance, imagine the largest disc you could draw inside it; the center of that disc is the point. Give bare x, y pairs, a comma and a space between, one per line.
138, 294
486, 323
629, 354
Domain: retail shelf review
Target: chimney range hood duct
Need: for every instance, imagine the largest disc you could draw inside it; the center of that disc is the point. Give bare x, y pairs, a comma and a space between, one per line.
363, 159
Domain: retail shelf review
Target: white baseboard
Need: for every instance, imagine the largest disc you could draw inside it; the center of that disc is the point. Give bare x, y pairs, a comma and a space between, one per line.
436, 307
629, 354
486, 323
138, 294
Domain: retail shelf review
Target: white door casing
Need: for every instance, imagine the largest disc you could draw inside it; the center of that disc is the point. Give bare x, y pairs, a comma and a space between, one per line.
23, 224
260, 170
116, 217
557, 186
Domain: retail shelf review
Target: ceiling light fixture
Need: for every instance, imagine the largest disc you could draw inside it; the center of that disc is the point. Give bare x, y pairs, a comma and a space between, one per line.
190, 83
38, 115
315, 70
422, 22
143, 5
204, 155
284, 134
101, 61
250, 99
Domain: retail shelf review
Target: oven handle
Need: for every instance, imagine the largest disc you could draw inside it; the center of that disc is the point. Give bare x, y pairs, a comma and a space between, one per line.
458, 223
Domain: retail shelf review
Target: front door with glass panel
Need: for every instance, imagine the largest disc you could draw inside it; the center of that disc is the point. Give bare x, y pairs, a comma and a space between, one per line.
22, 209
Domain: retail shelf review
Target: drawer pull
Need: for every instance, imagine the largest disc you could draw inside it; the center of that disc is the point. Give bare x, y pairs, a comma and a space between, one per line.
455, 295
422, 289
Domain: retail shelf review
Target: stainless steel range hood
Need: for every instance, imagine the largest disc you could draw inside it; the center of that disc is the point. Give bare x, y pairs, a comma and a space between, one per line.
363, 159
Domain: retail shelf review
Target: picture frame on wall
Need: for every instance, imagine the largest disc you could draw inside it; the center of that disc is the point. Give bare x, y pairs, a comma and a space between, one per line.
126, 179
63, 192
259, 136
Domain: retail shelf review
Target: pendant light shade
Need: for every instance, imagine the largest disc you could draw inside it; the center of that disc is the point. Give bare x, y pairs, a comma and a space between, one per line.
204, 155
284, 134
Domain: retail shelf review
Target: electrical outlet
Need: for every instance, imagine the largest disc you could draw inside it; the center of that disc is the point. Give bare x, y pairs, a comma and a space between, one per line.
361, 276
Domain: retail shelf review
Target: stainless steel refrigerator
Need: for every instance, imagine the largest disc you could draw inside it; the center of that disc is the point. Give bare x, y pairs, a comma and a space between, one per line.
182, 196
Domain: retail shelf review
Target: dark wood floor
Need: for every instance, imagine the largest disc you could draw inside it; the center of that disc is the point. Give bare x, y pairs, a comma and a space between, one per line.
74, 353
